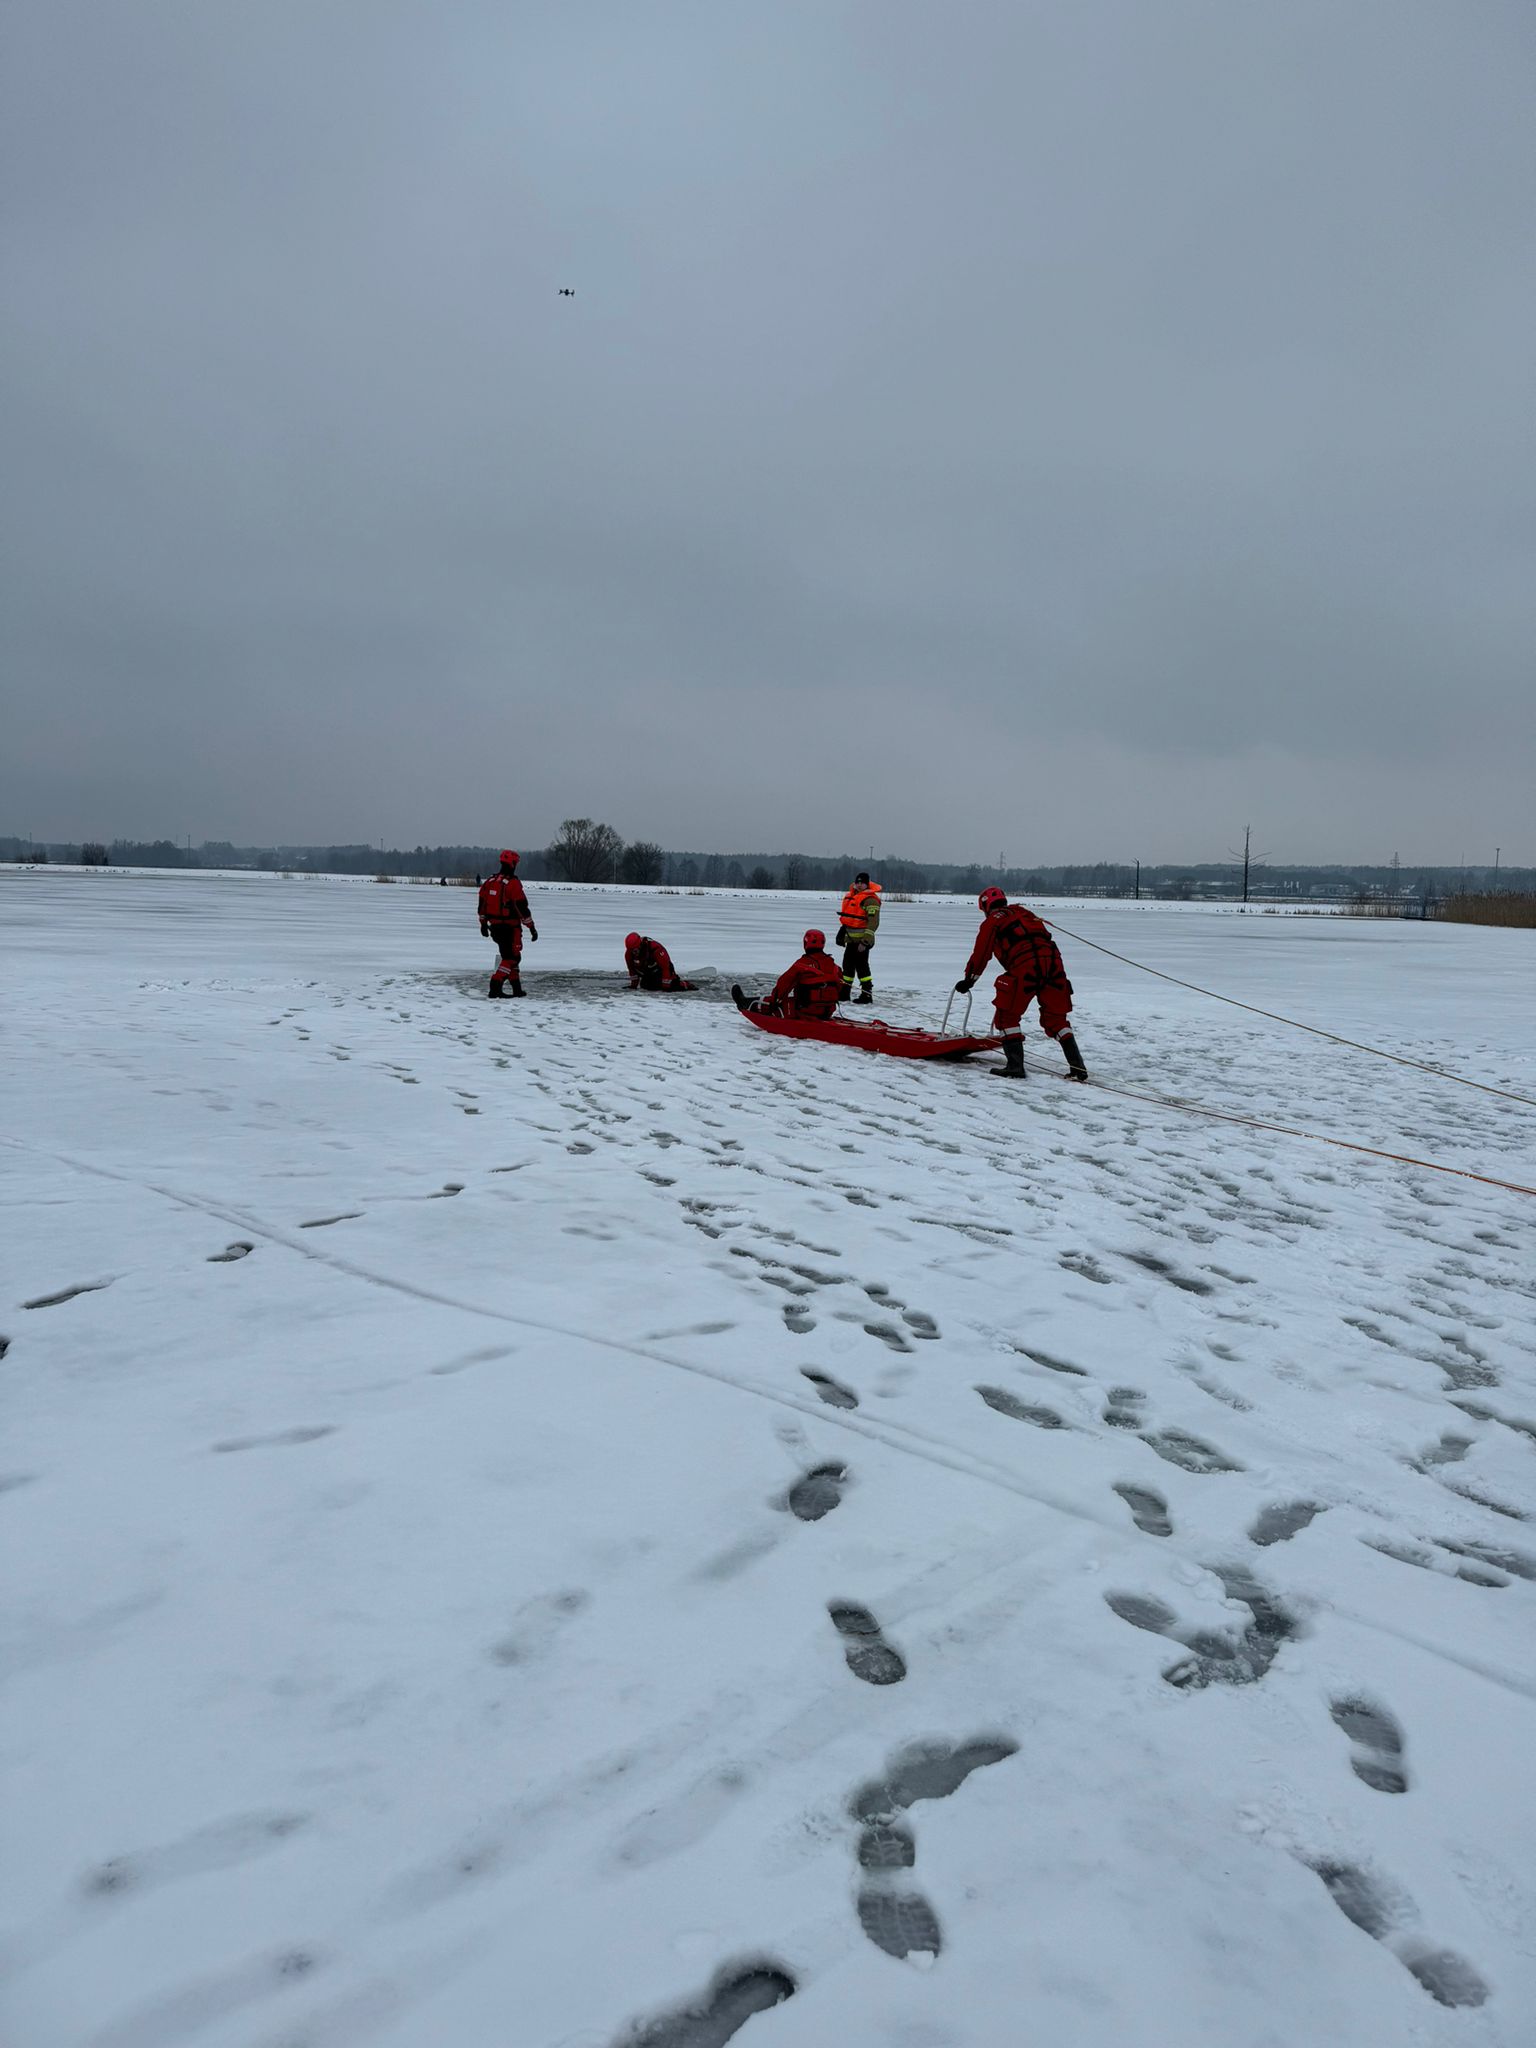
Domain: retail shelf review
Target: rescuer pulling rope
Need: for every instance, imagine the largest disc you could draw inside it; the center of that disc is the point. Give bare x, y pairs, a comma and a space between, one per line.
1032, 968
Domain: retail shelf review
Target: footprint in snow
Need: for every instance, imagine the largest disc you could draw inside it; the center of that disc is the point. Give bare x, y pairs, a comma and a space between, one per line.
1381, 1913
1474, 1572
1283, 1520
325, 1222
817, 1492
1217, 1658
665, 1830
1049, 1361
278, 1439
1479, 1413
888, 1334
1086, 1268
1150, 1263
900, 1922
832, 1391
1149, 1511
1020, 1411
1189, 1453
1450, 1450
229, 1254
798, 1319
67, 1294
1498, 1555
222, 1845
866, 1652
1376, 1753
1125, 1406
897, 1919
538, 1623
713, 2019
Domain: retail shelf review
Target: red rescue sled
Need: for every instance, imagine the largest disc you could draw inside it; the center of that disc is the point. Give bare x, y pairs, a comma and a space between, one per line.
871, 1035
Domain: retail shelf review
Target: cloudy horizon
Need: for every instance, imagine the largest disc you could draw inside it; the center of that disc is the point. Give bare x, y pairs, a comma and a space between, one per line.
1079, 432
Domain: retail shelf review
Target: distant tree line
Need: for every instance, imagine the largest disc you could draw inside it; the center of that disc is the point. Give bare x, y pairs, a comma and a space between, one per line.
590, 851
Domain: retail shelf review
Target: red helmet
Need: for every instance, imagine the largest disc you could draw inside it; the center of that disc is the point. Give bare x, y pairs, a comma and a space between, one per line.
631, 940
991, 899
508, 859
814, 940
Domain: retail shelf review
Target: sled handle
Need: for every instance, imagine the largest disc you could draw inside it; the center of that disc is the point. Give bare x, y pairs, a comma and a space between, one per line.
965, 1022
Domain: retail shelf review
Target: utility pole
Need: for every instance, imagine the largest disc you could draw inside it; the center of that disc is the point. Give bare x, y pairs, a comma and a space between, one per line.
1496, 852
1138, 881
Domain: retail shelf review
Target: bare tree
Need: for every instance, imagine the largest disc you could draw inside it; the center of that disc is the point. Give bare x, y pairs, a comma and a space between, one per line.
760, 878
795, 876
584, 852
643, 861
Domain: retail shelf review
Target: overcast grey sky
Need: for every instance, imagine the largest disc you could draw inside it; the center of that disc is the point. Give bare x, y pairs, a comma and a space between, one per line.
1071, 427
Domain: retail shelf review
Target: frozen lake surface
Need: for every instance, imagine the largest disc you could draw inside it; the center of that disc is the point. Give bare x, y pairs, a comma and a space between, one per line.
576, 1524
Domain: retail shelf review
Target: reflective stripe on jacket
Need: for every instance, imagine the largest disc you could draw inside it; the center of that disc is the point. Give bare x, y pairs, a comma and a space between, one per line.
860, 913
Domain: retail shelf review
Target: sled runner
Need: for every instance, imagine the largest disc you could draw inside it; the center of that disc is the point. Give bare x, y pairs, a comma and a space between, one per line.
870, 1035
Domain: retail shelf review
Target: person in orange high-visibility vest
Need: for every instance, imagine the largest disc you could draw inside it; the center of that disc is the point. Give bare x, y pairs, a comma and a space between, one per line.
503, 913
858, 921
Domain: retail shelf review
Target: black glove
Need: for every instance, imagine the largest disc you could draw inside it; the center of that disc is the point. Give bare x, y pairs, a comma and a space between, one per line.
533, 933
842, 937
485, 930
964, 985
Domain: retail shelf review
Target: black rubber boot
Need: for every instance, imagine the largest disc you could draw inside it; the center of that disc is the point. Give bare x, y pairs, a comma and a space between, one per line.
518, 989
495, 989
739, 996
1013, 1061
865, 995
1076, 1071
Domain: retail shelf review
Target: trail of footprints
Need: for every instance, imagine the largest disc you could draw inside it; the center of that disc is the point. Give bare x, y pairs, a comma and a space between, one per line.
892, 1912
1236, 1657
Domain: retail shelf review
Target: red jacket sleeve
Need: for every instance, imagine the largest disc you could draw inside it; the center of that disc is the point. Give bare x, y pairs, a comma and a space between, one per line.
981, 952
789, 979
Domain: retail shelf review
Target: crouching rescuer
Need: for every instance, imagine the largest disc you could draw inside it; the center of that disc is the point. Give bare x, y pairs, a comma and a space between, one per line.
859, 920
649, 965
1032, 969
503, 914
809, 987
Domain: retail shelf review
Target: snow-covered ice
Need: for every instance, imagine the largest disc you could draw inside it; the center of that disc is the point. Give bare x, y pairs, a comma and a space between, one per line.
576, 1523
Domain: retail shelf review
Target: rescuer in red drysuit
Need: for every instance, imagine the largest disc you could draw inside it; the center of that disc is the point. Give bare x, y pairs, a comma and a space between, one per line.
503, 913
1026, 952
808, 987
650, 966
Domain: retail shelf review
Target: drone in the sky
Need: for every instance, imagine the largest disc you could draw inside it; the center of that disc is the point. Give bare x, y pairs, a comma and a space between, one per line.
567, 291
